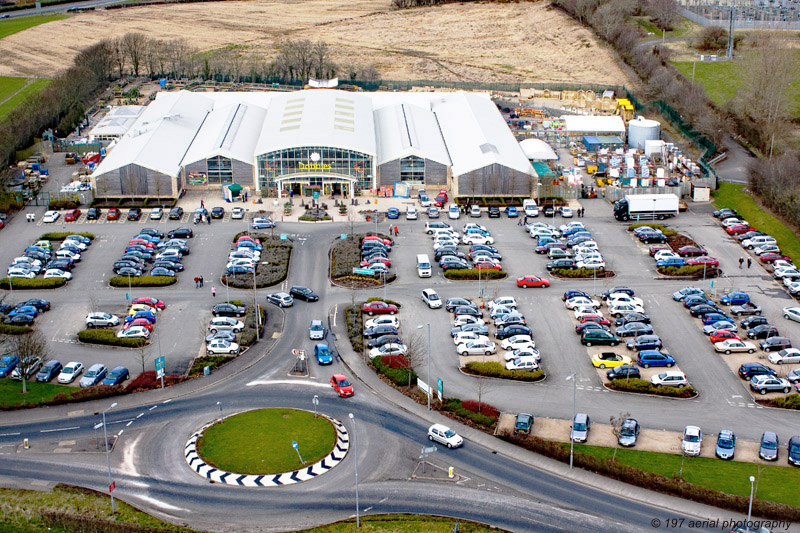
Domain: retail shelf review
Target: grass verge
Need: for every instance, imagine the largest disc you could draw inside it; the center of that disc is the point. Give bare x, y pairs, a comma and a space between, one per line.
31, 90
401, 523
260, 441
9, 85
731, 195
18, 24
11, 392
212, 361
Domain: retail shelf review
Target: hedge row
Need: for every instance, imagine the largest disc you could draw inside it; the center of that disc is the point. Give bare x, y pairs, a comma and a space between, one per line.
663, 229
454, 405
142, 281
496, 370
6, 329
134, 202
61, 235
644, 386
355, 327
109, 338
472, 274
148, 380
482, 408
398, 376
250, 333
582, 273
35, 283
667, 485
689, 271
56, 205
213, 361
345, 256
791, 401
390, 302
366, 279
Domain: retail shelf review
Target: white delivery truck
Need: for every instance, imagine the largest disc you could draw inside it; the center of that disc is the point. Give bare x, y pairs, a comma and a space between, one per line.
530, 208
423, 266
646, 207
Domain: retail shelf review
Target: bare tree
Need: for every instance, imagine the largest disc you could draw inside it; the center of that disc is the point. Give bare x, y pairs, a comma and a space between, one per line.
134, 46
616, 426
664, 13
711, 38
417, 352
482, 386
98, 58
145, 353
32, 351
118, 52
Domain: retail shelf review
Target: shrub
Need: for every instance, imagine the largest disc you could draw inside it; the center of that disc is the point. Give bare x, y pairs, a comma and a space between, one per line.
454, 405
482, 408
472, 274
663, 229
148, 380
496, 370
109, 338
390, 302
345, 256
61, 235
791, 401
56, 205
6, 329
275, 252
35, 283
398, 376
355, 327
644, 386
582, 273
142, 281
213, 361
689, 271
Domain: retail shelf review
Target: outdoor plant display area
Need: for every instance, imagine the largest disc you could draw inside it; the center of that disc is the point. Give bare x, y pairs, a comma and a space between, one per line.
361, 261
675, 254
271, 261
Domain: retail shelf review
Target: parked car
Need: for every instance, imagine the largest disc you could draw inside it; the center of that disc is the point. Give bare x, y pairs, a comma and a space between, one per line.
645, 342
793, 449
726, 445
117, 376
222, 346
729, 346
634, 329
51, 369
94, 375
101, 320
228, 309
598, 337
763, 384
670, 378
479, 347
735, 298
579, 430
648, 358
768, 449
532, 281
692, 440
523, 423
378, 307
623, 372
70, 372
775, 343
281, 299
785, 356
514, 329
225, 323
134, 213
609, 360
748, 370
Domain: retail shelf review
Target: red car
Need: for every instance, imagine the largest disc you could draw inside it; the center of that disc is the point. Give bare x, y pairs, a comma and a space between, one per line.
387, 242
738, 229
532, 281
770, 257
72, 215
441, 199
691, 251
113, 214
486, 265
341, 385
719, 335
152, 302
142, 242
139, 322
703, 260
384, 260
247, 238
595, 318
378, 307
658, 247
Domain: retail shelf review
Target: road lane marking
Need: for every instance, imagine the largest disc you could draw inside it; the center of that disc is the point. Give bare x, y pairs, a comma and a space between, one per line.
8, 434
167, 401
59, 429
140, 415
120, 432
163, 505
129, 423
152, 408
287, 382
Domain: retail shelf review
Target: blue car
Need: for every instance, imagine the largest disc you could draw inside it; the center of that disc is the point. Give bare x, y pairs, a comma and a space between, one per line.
393, 212
7, 364
648, 358
735, 298
50, 370
24, 310
147, 315
544, 240
511, 211
574, 230
323, 353
574, 293
248, 244
670, 262
116, 376
239, 269
710, 318
150, 238
80, 238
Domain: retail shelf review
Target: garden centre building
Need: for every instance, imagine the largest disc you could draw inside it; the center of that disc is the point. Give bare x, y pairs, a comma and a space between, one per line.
330, 141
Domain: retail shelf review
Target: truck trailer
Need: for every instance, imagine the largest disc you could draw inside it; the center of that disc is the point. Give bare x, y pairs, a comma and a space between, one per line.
646, 207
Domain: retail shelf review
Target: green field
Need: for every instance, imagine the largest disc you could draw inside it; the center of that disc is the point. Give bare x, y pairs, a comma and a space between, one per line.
9, 85
682, 29
260, 441
32, 89
721, 80
731, 195
18, 24
11, 392
725, 476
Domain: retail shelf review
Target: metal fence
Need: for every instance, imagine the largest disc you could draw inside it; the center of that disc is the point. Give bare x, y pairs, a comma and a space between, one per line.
78, 148
617, 193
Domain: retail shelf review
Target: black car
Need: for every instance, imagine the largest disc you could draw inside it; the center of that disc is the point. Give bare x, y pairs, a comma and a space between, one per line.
228, 309
623, 372
169, 265
748, 370
568, 264
691, 301
762, 331
93, 213
549, 211
455, 263
379, 330
480, 329
703, 309
573, 293
748, 235
645, 342
772, 344
133, 257
618, 290
452, 303
590, 325
725, 212
39, 304
514, 329
653, 238
217, 212
182, 233
176, 213
61, 264
753, 321
145, 256
793, 447
632, 317
19, 320
41, 256
633, 329
449, 253
485, 248
384, 339
494, 211
134, 213
152, 232
303, 293
467, 310
129, 271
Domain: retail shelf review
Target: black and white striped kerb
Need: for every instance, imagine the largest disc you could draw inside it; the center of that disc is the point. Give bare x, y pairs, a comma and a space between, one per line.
216, 475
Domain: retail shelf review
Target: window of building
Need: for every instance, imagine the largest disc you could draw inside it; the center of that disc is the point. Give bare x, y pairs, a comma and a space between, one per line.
412, 168
220, 170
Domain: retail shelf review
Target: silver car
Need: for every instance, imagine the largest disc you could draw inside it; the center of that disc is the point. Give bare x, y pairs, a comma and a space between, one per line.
225, 323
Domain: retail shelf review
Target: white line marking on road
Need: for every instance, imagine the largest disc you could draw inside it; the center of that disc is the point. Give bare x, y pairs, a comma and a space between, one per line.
383, 500
120, 432
163, 505
167, 401
368, 509
128, 457
140, 415
129, 423
287, 382
152, 408
59, 429
8, 434
335, 310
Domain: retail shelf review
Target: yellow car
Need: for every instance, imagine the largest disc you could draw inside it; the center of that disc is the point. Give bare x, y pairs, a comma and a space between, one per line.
610, 360
135, 308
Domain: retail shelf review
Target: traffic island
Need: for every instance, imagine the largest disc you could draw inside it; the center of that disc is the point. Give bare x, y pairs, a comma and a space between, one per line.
346, 268
582, 273
272, 267
267, 447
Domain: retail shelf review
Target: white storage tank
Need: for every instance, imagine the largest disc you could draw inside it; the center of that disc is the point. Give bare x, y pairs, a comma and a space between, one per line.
640, 130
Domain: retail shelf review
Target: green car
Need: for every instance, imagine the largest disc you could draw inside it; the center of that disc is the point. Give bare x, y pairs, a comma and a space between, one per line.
524, 423
597, 337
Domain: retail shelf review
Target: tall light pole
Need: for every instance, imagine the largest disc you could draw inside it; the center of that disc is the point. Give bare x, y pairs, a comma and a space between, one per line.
574, 379
108, 458
355, 452
255, 304
429, 362
654, 208
221, 418
750, 507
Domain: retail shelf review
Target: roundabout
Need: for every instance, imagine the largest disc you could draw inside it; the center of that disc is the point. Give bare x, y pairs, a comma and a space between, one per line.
265, 447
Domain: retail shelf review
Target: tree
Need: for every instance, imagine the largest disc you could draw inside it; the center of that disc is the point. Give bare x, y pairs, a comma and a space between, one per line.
482, 386
711, 38
664, 13
417, 352
134, 46
145, 353
616, 426
98, 58
31, 349
118, 53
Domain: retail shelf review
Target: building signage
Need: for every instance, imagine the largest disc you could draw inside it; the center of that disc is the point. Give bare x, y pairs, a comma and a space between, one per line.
314, 166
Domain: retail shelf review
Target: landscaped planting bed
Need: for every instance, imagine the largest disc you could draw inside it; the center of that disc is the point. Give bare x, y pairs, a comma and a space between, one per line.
645, 387
496, 370
275, 252
473, 274
31, 284
142, 281
345, 255
109, 338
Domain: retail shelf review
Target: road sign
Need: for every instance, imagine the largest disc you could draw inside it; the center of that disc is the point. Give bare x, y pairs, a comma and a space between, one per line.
112, 486
315, 195
315, 400
294, 444
364, 271
298, 352
428, 449
439, 388
160, 366
284, 237
343, 236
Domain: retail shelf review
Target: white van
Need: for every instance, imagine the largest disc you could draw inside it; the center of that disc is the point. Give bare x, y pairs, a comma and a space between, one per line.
530, 208
423, 266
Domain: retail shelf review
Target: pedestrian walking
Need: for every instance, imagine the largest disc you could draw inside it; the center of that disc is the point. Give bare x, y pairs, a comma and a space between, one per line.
391, 230
201, 281
196, 282
213, 291
749, 263
526, 220
209, 219
202, 204
741, 262
395, 231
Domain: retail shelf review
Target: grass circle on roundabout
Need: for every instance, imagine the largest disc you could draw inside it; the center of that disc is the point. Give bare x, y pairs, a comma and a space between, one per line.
260, 441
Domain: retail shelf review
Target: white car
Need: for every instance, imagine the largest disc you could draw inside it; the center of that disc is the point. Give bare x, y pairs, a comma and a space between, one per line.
791, 313
733, 221
245, 253
411, 213
237, 213
444, 242
74, 242
464, 337
523, 352
692, 440
453, 212
18, 272
517, 341
388, 320
391, 348
585, 311
66, 254
444, 435
622, 298
523, 363
157, 214
670, 378
50, 217
665, 254
25, 261
463, 320
592, 264
477, 238
785, 356
57, 273
581, 301
617, 310
71, 371
780, 272
566, 212
134, 332
221, 346
570, 225
474, 226
504, 301
781, 263
244, 262
535, 233
728, 346
225, 323
476, 348
498, 311
100, 320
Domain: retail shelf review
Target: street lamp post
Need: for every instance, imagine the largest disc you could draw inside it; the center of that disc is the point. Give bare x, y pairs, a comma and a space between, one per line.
574, 379
654, 208
355, 451
750, 507
221, 418
108, 457
255, 304
429, 362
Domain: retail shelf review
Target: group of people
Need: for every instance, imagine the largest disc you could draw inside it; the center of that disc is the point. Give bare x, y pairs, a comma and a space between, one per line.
393, 230
742, 260
198, 282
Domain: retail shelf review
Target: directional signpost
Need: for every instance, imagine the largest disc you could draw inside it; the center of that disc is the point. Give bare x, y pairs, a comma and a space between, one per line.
294, 445
160, 369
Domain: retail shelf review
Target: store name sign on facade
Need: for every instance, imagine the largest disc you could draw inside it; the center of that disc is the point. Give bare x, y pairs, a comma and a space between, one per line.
314, 166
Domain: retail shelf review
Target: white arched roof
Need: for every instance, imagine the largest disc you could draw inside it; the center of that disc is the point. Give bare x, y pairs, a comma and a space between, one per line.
537, 150
406, 129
